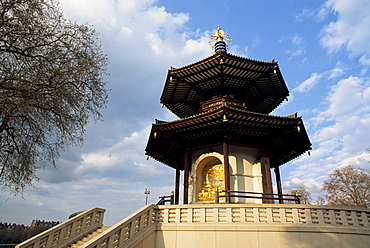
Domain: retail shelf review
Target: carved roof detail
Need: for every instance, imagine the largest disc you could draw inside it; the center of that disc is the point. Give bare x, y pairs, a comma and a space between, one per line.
259, 85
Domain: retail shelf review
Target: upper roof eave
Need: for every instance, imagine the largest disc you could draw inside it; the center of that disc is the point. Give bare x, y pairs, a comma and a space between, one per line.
217, 55
261, 82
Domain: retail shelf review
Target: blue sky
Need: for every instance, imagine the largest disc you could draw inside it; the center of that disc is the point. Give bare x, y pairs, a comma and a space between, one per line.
323, 52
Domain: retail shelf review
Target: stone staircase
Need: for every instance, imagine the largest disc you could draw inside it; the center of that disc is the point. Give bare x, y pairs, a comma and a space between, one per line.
89, 237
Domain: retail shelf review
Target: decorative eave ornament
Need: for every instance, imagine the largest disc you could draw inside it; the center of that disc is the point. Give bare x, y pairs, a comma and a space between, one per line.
217, 41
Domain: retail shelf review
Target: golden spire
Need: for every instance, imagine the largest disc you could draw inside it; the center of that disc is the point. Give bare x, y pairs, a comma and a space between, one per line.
219, 36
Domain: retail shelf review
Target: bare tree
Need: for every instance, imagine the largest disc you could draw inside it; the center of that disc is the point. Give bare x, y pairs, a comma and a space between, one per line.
321, 200
303, 194
51, 81
348, 186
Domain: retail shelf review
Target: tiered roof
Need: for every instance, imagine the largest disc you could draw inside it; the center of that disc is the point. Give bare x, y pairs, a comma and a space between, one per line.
226, 98
284, 137
259, 84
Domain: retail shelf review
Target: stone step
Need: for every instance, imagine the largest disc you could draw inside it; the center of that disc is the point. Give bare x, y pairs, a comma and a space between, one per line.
89, 237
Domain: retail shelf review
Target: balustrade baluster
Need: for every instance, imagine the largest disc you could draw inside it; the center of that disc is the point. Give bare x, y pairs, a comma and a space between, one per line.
365, 219
332, 218
177, 215
354, 218
308, 216
166, 216
256, 216
295, 215
202, 215
320, 217
269, 215
190, 215
49, 241
242, 215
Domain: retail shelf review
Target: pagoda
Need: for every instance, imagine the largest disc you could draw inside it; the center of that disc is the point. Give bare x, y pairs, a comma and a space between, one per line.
226, 142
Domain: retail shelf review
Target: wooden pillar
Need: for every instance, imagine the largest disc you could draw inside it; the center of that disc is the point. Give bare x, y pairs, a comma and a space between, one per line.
186, 177
225, 151
177, 186
266, 176
278, 183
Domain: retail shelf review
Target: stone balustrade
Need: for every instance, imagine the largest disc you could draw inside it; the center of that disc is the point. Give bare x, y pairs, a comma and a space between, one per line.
130, 230
67, 232
261, 226
221, 225
263, 214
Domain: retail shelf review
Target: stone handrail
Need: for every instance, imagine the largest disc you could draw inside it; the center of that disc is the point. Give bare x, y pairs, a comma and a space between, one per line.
143, 223
126, 232
67, 232
269, 214
135, 228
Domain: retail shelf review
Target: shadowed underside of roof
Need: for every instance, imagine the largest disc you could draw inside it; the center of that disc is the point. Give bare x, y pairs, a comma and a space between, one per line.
284, 137
259, 84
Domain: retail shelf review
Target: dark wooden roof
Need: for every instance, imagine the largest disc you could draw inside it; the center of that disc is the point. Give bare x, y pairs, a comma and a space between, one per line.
285, 138
259, 84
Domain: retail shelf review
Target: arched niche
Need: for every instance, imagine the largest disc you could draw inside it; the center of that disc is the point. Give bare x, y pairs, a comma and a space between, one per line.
209, 177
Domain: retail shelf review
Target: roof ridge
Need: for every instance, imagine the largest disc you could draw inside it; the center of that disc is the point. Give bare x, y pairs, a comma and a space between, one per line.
214, 56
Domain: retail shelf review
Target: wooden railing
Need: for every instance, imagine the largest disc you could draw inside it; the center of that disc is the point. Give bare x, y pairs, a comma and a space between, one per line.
127, 231
67, 232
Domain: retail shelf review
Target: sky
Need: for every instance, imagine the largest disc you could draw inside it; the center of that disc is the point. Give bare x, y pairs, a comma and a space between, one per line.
323, 52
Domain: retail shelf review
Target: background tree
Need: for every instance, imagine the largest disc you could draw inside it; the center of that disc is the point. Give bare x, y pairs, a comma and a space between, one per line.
348, 186
303, 193
321, 200
51, 81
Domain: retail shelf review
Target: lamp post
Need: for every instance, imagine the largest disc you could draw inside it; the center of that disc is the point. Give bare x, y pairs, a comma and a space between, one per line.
146, 193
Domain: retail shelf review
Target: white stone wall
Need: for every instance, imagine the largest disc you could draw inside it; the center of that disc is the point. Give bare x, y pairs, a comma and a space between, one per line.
258, 237
245, 173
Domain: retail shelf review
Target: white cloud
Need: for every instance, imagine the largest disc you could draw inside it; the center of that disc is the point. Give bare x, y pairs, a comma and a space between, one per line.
196, 45
309, 83
340, 135
351, 30
297, 47
297, 40
338, 71
365, 60
347, 98
312, 185
151, 31
125, 160
318, 14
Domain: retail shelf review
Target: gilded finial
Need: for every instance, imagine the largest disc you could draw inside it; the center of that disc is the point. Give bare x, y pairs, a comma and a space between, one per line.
219, 36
